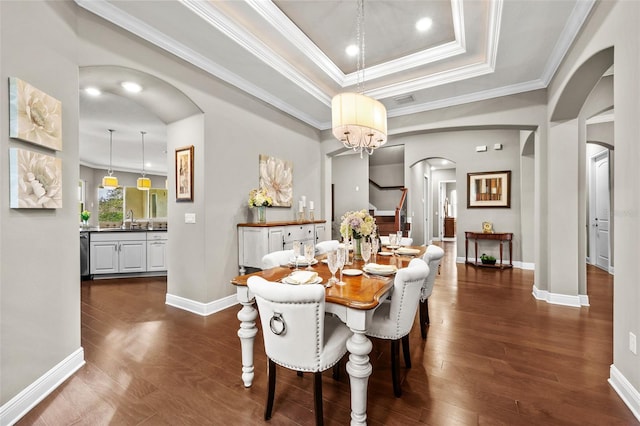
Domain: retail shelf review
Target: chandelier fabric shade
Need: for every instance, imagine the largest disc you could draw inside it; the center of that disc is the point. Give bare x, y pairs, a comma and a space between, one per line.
110, 181
359, 121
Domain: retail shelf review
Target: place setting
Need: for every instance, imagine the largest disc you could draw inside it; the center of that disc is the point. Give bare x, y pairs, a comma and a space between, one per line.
302, 277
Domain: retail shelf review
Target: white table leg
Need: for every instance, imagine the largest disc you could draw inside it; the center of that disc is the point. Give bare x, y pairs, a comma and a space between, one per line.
359, 369
247, 334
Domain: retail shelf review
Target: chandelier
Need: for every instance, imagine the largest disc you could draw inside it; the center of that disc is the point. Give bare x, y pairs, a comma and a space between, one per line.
358, 121
110, 181
144, 183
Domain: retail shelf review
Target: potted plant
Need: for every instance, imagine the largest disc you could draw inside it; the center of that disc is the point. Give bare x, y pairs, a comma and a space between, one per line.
487, 259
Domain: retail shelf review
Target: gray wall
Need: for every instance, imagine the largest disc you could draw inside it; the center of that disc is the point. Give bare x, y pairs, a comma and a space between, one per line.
39, 275
386, 176
459, 146
350, 179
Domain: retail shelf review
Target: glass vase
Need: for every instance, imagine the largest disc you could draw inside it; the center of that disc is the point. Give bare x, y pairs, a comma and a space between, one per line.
262, 214
357, 248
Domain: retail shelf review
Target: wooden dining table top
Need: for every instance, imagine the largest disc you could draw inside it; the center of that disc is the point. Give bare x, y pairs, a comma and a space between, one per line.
360, 292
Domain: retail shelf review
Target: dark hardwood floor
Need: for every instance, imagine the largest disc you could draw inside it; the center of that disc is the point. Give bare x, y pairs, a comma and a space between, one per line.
493, 356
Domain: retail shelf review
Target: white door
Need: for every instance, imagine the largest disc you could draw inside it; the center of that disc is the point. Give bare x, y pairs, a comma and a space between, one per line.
427, 210
601, 204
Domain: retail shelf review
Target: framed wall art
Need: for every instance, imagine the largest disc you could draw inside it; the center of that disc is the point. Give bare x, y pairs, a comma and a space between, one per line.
35, 180
489, 189
184, 173
34, 116
276, 176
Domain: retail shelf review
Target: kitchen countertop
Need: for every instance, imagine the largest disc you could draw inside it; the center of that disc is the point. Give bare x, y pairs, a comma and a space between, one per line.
96, 229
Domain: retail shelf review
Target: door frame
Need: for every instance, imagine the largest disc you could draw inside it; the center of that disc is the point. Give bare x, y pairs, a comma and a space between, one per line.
593, 160
442, 194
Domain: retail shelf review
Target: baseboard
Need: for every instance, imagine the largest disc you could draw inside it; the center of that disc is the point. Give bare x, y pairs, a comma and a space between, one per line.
516, 264
200, 308
20, 404
625, 390
561, 299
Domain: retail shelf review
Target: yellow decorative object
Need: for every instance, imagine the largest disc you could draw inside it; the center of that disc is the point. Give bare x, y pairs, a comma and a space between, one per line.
487, 227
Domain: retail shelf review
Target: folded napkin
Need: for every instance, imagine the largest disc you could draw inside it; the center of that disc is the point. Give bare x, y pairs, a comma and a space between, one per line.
406, 250
302, 277
374, 267
301, 260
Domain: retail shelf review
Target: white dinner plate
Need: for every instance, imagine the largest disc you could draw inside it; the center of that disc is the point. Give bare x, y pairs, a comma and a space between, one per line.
352, 272
324, 261
385, 253
392, 247
302, 262
287, 280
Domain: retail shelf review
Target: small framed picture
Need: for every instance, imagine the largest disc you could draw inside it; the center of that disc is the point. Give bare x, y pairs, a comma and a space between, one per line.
184, 173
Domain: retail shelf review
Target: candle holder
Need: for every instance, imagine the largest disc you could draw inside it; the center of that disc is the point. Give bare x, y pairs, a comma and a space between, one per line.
301, 216
311, 215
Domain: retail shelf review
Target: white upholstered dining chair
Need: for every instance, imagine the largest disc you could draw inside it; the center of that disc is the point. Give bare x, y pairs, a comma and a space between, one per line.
393, 320
432, 256
326, 246
276, 258
297, 333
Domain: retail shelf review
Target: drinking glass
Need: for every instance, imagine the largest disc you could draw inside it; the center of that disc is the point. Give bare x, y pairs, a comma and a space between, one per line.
399, 237
297, 246
375, 246
343, 254
332, 263
309, 253
366, 251
393, 239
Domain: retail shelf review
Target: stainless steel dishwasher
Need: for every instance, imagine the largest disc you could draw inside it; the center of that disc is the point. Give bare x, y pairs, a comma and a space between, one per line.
84, 254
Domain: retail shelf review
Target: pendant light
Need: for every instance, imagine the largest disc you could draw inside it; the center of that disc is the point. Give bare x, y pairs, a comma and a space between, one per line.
144, 183
358, 121
110, 182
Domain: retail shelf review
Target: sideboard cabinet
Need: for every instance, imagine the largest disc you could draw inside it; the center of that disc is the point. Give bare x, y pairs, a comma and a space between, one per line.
257, 239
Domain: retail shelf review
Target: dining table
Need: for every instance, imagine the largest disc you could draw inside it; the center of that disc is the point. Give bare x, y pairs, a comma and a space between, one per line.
354, 303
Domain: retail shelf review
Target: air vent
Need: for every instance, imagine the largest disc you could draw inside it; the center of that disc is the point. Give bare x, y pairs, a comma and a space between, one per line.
401, 100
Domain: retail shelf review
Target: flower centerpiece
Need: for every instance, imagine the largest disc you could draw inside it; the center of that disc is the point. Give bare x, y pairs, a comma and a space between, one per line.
260, 199
355, 225
85, 215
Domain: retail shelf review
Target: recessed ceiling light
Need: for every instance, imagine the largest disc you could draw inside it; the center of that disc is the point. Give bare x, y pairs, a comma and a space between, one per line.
130, 86
352, 50
424, 24
93, 91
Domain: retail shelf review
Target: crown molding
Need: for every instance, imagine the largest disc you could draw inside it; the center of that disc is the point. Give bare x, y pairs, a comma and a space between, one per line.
437, 79
254, 46
281, 22
114, 15
578, 16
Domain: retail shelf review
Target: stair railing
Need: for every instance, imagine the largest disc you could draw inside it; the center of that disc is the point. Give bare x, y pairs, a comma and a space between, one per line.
399, 209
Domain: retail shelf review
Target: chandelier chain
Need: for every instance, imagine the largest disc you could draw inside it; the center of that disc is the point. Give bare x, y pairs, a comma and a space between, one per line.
143, 133
110, 151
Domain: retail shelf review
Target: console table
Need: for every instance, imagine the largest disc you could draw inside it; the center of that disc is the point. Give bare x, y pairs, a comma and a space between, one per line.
501, 237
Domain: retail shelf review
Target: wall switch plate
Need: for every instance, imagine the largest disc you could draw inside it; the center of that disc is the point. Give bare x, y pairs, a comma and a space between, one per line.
497, 146
632, 343
189, 218
481, 148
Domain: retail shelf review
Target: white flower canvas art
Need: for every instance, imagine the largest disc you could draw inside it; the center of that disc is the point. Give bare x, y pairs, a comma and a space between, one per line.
34, 116
276, 176
35, 180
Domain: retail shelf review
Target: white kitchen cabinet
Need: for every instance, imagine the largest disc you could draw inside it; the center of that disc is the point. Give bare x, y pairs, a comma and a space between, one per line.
257, 239
156, 251
320, 231
118, 252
